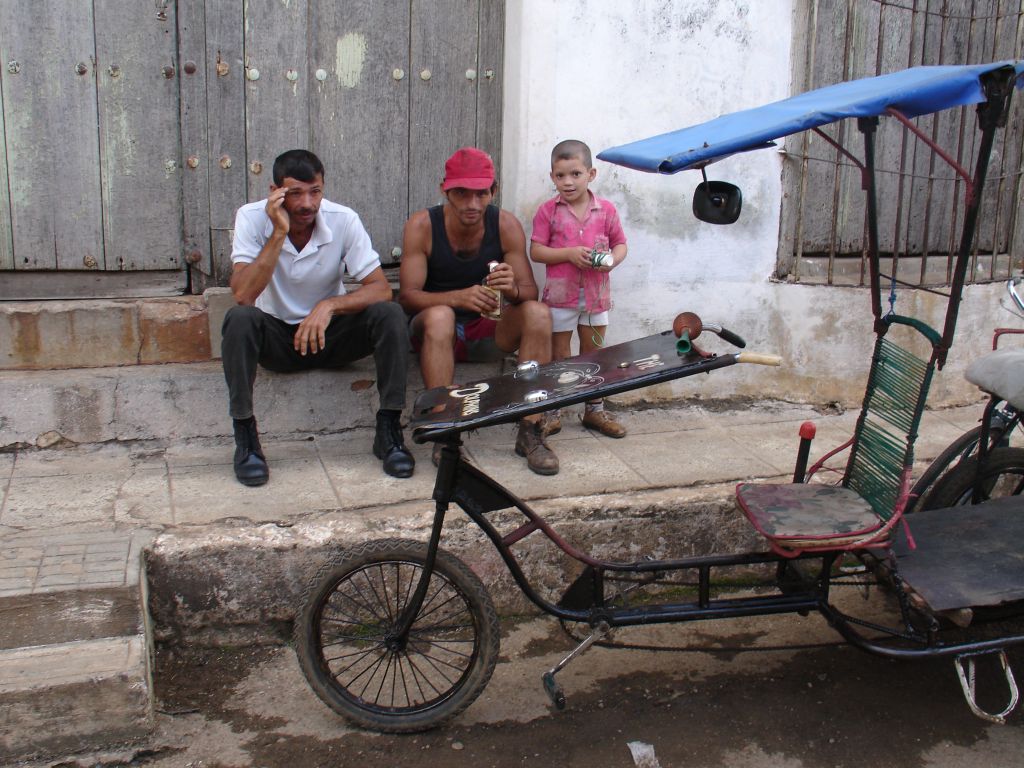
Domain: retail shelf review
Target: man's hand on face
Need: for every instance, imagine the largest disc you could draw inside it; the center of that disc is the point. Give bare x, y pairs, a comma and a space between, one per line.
311, 335
276, 210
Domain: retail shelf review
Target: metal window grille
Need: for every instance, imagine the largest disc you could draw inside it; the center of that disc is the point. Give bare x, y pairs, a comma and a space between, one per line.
823, 229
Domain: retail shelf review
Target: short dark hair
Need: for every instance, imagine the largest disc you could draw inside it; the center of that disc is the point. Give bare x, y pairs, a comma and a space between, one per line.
298, 164
570, 148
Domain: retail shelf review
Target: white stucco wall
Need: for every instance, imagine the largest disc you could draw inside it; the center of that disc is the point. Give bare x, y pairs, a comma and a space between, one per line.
609, 72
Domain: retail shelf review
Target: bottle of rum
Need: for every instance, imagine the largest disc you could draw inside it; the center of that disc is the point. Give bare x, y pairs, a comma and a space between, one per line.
495, 314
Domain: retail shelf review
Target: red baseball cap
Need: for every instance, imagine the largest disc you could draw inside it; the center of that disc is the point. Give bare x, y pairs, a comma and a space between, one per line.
468, 168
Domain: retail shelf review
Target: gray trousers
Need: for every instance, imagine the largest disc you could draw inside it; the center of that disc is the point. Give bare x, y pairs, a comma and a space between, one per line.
251, 337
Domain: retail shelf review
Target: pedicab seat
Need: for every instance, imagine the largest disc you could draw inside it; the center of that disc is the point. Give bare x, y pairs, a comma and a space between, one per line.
864, 507
799, 516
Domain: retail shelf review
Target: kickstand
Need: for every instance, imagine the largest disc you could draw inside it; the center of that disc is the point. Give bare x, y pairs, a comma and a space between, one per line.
967, 684
551, 686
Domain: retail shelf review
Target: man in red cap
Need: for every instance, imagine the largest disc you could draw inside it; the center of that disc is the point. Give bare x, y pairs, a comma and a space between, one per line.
445, 255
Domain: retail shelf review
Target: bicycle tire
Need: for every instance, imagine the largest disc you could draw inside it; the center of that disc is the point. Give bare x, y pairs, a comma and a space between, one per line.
1002, 475
961, 448
965, 446
342, 643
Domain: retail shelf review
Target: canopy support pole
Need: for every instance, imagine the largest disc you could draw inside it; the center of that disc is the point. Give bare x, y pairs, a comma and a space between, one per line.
998, 85
868, 126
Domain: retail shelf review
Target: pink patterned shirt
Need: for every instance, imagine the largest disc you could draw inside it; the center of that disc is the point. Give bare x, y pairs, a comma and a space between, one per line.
556, 226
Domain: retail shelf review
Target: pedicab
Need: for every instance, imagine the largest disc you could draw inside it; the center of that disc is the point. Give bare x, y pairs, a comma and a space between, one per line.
400, 635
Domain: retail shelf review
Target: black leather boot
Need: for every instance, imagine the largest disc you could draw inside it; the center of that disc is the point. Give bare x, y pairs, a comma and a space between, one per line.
250, 463
389, 445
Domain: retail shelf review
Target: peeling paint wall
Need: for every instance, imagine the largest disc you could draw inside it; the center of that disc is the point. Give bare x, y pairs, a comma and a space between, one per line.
609, 72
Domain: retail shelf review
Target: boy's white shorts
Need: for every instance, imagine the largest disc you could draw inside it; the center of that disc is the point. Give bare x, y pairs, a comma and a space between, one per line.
563, 320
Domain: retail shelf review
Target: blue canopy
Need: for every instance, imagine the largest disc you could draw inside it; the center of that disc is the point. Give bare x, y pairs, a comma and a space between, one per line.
914, 92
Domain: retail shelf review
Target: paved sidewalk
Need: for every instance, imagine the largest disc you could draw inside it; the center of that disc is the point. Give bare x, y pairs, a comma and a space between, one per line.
66, 513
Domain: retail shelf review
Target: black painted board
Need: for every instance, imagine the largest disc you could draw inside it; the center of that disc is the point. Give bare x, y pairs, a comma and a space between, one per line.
966, 557
608, 371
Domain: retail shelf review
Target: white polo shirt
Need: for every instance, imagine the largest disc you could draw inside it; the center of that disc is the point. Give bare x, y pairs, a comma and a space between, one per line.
339, 244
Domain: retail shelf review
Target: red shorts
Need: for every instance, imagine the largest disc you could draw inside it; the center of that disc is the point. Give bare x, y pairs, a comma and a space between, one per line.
473, 340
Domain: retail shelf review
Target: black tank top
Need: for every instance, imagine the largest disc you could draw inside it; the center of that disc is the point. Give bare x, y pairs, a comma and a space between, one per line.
447, 271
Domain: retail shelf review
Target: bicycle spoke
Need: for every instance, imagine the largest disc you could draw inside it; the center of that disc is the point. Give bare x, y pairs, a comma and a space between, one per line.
373, 672
380, 599
361, 603
415, 677
359, 653
420, 675
441, 673
384, 680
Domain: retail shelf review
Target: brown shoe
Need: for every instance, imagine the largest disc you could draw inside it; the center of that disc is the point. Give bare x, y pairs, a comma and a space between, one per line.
531, 444
603, 422
551, 423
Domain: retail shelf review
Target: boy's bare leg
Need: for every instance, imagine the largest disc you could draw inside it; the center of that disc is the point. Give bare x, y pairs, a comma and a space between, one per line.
591, 337
561, 348
594, 415
528, 327
435, 326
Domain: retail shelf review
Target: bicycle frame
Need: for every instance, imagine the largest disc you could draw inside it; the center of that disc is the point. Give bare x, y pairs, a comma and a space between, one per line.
477, 494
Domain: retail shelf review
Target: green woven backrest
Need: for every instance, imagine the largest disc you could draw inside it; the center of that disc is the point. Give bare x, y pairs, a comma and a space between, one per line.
884, 440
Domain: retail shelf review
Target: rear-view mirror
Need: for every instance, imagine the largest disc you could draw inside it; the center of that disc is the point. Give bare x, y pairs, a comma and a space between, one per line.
717, 202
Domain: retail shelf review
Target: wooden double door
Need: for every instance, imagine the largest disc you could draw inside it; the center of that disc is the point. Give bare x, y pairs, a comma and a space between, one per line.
133, 131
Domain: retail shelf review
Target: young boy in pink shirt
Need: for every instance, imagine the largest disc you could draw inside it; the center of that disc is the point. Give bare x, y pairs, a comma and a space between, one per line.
567, 231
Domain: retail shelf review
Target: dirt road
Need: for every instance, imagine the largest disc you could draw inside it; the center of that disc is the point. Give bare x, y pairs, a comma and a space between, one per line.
817, 706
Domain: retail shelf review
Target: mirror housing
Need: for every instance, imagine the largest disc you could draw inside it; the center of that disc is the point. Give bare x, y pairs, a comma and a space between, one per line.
717, 202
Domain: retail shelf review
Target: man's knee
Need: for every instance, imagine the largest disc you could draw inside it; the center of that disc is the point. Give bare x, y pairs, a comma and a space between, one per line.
536, 318
239, 320
437, 324
387, 314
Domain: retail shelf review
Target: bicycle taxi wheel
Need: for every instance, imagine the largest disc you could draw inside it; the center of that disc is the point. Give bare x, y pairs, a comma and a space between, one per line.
1002, 475
346, 648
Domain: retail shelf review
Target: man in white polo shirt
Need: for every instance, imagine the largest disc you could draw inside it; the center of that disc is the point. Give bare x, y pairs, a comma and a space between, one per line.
290, 251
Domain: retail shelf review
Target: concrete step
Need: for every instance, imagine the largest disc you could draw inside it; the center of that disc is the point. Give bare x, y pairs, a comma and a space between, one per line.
241, 584
74, 651
91, 333
73, 697
186, 400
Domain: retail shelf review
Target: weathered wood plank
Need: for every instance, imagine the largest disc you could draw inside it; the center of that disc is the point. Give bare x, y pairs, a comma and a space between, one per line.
6, 241
923, 162
277, 85
896, 51
490, 78
828, 65
359, 112
1013, 144
50, 130
140, 142
996, 230
92, 284
792, 166
864, 61
226, 159
195, 183
443, 99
